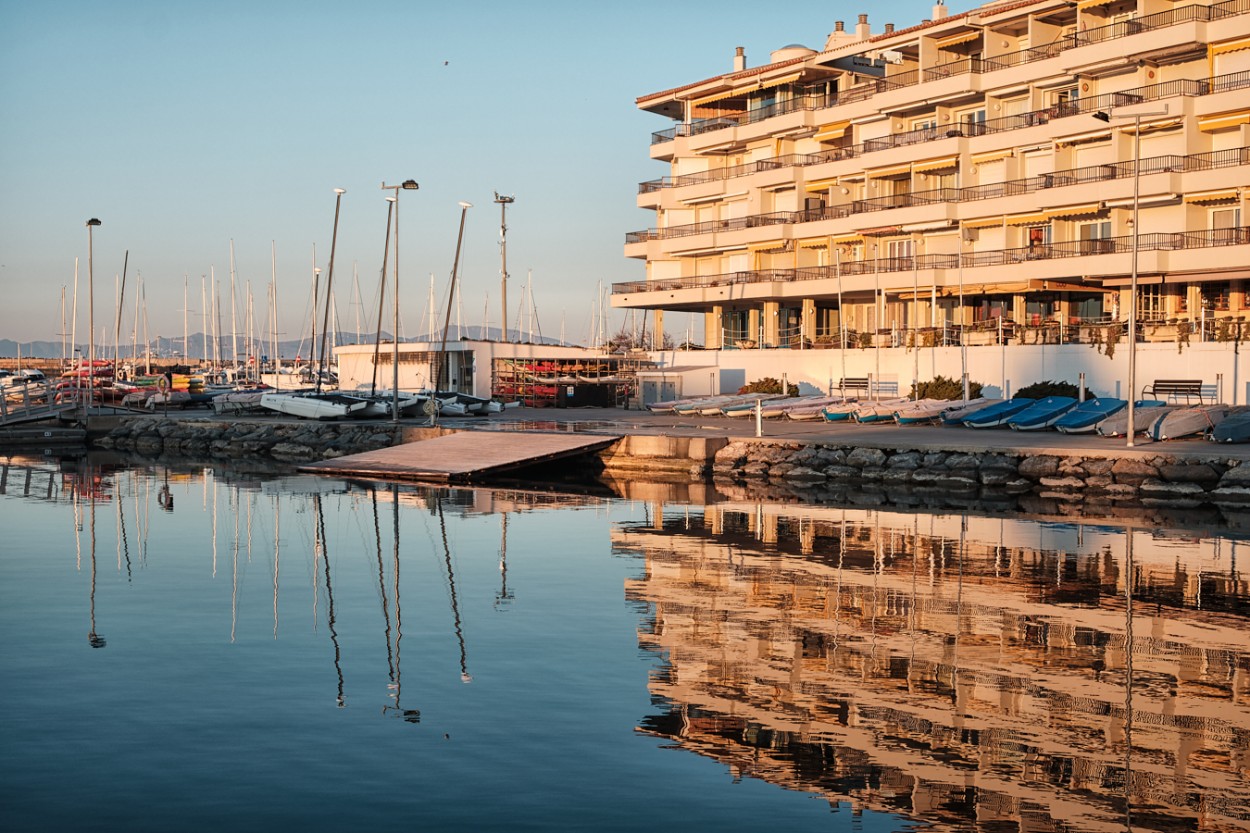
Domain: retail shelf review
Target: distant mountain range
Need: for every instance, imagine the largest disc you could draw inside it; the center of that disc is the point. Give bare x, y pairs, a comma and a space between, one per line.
163, 347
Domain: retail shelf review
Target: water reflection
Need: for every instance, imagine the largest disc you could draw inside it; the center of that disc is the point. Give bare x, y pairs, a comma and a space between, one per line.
975, 673
962, 671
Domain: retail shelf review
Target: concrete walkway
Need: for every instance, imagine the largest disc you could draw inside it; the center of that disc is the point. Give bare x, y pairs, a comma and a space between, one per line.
880, 435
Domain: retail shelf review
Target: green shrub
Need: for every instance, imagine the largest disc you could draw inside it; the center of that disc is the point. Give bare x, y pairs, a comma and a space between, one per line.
768, 385
939, 387
1041, 390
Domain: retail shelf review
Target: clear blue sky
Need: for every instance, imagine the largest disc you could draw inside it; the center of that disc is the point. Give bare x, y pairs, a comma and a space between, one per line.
183, 126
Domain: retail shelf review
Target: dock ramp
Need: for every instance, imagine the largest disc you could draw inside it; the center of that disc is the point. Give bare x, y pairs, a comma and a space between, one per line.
30, 403
463, 457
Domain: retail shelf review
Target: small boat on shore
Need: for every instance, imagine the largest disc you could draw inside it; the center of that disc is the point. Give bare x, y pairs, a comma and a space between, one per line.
314, 405
1145, 414
960, 410
839, 411
878, 411
1234, 429
924, 411
1186, 422
1084, 418
1042, 414
995, 416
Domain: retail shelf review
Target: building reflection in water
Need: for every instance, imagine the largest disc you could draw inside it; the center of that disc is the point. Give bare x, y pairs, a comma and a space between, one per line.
973, 673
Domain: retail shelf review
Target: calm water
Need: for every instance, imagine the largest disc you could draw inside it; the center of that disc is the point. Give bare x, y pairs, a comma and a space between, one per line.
198, 650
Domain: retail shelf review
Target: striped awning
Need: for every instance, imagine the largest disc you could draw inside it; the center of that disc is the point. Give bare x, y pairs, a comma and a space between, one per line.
991, 156
846, 239
1208, 197
771, 245
830, 132
821, 184
814, 243
1229, 46
935, 164
708, 99
1032, 219
1082, 5
1152, 126
1223, 121
982, 222
1085, 209
894, 170
956, 40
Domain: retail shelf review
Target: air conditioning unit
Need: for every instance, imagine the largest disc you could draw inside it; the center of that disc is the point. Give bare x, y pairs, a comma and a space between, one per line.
892, 57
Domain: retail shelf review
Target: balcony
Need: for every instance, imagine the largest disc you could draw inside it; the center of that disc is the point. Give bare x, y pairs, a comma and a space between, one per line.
1155, 242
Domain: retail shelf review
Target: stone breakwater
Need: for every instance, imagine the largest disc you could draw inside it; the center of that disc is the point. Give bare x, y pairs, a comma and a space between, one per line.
284, 442
1161, 479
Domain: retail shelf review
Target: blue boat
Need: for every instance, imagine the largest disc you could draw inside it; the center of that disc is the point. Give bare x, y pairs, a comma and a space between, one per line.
1042, 414
997, 415
839, 411
1084, 418
1235, 429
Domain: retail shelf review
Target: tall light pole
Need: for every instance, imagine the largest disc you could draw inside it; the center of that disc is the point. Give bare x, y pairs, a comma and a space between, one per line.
91, 224
406, 185
451, 293
1136, 115
504, 202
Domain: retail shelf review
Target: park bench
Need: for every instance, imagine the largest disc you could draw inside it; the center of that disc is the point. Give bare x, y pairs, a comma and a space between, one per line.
1173, 389
852, 384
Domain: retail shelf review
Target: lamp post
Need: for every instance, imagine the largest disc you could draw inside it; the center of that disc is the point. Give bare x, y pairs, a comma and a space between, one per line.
504, 202
451, 294
86, 408
406, 185
1136, 115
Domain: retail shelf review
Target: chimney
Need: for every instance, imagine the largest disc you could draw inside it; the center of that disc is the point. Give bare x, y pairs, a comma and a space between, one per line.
740, 59
862, 30
939, 10
839, 27
889, 28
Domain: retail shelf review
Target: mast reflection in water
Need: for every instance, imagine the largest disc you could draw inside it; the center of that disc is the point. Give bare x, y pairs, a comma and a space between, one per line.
976, 673
376, 654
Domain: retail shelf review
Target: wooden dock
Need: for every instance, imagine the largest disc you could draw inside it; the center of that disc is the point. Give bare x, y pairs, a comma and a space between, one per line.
463, 457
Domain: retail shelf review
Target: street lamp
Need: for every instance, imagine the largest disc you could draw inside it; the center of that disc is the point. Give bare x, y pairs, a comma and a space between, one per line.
86, 408
1137, 116
451, 294
504, 202
406, 185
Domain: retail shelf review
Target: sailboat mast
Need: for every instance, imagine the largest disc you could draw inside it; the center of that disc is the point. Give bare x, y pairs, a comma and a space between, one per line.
334, 238
234, 330
203, 322
73, 327
186, 352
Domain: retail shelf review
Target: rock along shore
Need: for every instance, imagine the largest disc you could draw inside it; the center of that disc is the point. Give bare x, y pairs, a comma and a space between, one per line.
803, 468
1159, 479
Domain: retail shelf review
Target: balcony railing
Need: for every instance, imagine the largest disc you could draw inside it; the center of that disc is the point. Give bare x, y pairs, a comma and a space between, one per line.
871, 87
1209, 160
1158, 241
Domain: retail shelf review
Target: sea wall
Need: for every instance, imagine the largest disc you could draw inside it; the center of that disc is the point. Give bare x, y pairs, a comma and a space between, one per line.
1152, 479
286, 442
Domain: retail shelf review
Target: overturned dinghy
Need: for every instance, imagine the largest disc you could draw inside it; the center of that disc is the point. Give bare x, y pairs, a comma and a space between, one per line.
960, 410
314, 405
1186, 422
1234, 429
1042, 414
1144, 415
998, 415
1084, 418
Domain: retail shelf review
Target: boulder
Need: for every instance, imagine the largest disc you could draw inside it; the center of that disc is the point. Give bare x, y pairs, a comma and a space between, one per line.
1038, 467
866, 457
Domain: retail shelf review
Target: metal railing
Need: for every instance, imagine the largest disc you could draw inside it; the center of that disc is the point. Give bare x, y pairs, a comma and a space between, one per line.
871, 87
1157, 241
1171, 163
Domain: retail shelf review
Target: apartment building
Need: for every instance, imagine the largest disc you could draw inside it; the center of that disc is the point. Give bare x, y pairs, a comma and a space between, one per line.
997, 176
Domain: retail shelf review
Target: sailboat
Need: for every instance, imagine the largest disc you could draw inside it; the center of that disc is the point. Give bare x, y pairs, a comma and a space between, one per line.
316, 404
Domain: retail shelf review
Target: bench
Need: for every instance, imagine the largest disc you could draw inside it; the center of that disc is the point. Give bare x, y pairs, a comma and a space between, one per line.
853, 383
1173, 389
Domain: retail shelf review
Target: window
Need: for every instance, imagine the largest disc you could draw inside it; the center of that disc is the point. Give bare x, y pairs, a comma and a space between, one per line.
899, 249
973, 121
1038, 236
1224, 226
1215, 296
1095, 237
1150, 302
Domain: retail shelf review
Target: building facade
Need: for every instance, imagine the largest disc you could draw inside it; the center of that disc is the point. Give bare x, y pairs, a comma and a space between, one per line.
994, 177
